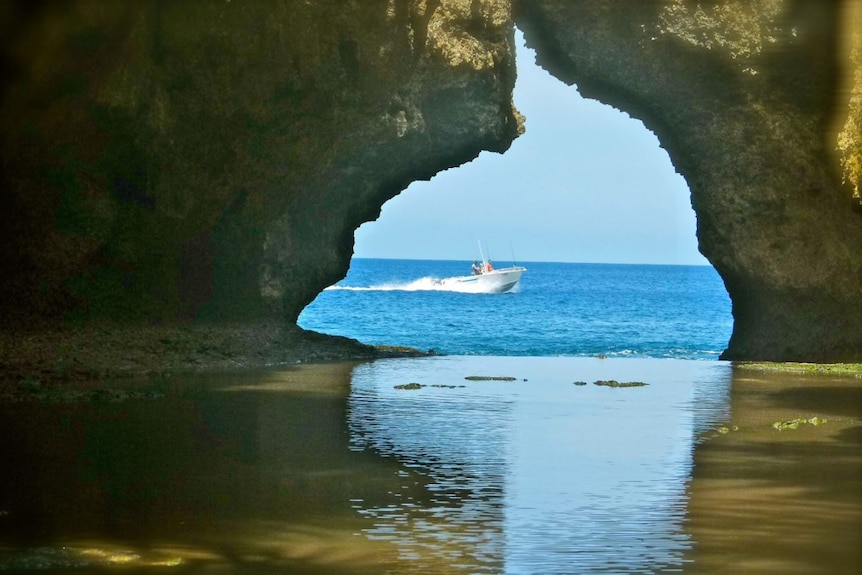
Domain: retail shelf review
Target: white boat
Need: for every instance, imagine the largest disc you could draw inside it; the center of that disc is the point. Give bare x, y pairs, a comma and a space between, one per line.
485, 278
494, 281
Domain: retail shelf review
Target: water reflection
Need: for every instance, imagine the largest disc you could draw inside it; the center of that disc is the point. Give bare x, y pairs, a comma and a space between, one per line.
539, 475
331, 469
454, 437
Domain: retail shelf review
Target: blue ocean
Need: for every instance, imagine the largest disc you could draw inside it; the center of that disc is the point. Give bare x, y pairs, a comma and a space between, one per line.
557, 309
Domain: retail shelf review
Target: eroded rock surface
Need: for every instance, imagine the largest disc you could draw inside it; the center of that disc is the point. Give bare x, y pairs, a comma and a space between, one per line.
166, 160
199, 161
745, 97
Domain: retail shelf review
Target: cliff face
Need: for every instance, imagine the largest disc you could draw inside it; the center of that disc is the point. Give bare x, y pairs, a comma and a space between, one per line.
745, 97
169, 160
194, 161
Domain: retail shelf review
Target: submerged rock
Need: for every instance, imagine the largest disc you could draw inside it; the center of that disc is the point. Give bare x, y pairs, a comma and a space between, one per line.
409, 386
615, 383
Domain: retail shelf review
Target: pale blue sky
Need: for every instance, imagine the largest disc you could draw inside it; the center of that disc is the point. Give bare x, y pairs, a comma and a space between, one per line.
585, 183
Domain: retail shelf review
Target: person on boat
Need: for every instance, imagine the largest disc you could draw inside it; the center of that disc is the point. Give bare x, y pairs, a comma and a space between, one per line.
488, 266
476, 268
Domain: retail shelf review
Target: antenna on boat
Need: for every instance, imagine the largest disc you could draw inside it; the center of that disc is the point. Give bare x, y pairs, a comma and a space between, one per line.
513, 253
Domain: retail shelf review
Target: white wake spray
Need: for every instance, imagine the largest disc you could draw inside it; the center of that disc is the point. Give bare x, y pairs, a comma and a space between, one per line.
428, 283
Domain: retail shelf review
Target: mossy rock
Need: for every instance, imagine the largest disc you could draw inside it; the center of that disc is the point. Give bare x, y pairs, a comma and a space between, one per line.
409, 386
853, 369
615, 383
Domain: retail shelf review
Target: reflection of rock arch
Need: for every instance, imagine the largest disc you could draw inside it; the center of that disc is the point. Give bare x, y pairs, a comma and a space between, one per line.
453, 453
532, 477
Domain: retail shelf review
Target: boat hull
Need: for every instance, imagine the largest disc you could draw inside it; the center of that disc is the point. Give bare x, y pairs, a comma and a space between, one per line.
495, 281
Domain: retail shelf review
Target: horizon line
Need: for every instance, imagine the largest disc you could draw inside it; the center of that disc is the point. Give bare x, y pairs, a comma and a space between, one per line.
707, 264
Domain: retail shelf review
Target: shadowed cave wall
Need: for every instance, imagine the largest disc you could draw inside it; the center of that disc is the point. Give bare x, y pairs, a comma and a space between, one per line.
205, 161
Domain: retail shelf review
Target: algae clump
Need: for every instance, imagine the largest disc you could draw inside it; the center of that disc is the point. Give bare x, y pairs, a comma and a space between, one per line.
795, 423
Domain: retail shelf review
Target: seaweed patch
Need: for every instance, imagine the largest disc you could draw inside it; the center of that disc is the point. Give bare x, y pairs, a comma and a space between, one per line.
796, 423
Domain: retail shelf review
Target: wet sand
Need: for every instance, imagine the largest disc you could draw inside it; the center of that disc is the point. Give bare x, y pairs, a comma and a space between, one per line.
785, 498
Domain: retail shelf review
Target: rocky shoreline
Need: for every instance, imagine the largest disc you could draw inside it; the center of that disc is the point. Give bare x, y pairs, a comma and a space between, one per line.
47, 359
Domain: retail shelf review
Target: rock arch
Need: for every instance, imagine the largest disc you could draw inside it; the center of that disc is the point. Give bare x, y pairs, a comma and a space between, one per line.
196, 161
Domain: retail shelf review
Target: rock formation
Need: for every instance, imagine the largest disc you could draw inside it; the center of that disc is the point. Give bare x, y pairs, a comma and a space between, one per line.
198, 161
744, 96
211, 160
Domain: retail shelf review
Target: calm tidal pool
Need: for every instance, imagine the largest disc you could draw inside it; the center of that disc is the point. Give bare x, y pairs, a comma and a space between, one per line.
333, 469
